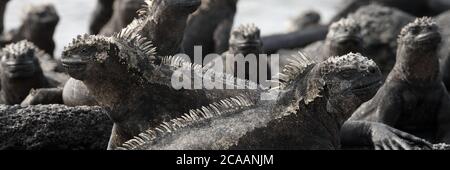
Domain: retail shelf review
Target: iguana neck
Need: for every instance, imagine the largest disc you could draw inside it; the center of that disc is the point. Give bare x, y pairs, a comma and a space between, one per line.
15, 90
416, 66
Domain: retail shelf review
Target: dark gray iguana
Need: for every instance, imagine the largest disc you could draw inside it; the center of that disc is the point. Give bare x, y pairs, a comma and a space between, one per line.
305, 20
314, 100
444, 25
413, 99
244, 41
210, 27
380, 27
38, 27
131, 83
102, 14
21, 72
344, 36
53, 127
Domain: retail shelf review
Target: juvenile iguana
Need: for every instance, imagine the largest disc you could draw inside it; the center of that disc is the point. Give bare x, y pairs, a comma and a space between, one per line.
21, 72
314, 100
38, 27
413, 99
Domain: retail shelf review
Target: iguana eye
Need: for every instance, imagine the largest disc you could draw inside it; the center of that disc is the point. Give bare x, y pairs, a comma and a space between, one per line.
415, 30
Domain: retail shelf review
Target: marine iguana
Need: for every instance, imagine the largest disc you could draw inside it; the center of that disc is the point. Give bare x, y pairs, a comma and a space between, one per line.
414, 7
53, 127
21, 72
2, 13
343, 36
124, 11
38, 26
380, 27
315, 99
210, 27
132, 83
102, 14
413, 99
153, 21
305, 20
244, 41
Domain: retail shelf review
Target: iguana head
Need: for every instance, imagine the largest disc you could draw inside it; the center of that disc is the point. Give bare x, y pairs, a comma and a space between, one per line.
86, 55
342, 82
422, 35
246, 39
19, 61
343, 37
348, 81
41, 17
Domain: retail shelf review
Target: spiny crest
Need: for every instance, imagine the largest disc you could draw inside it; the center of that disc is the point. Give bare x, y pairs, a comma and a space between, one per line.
145, 10
419, 22
84, 40
131, 38
216, 109
248, 30
334, 64
21, 48
180, 62
296, 67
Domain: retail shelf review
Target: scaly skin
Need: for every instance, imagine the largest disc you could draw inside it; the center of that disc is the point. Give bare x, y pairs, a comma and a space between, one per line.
38, 27
314, 100
128, 80
102, 14
244, 41
413, 98
20, 72
53, 127
210, 27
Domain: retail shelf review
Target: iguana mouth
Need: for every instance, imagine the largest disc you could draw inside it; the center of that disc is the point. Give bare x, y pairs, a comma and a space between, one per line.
22, 69
363, 87
428, 37
76, 65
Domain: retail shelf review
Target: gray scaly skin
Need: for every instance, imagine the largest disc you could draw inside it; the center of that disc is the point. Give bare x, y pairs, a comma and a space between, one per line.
2, 13
414, 7
38, 26
244, 41
21, 72
413, 99
314, 100
210, 27
124, 11
380, 27
102, 14
127, 79
53, 127
444, 24
344, 36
